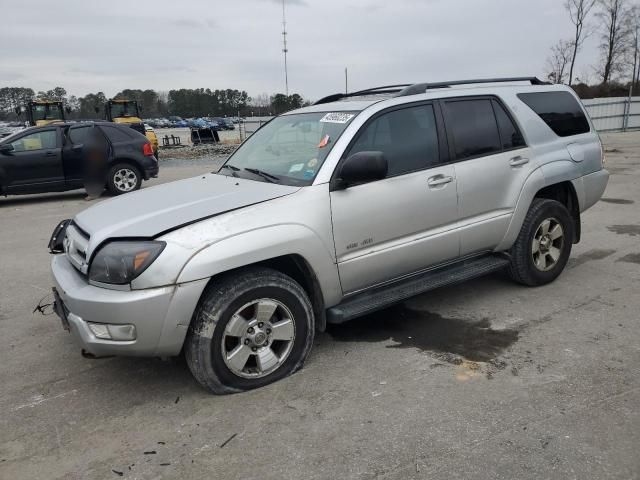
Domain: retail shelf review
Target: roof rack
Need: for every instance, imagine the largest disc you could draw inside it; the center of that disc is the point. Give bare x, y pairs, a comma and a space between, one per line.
404, 90
361, 93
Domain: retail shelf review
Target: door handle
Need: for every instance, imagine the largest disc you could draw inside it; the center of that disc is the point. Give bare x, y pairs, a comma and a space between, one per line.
518, 161
439, 180
50, 154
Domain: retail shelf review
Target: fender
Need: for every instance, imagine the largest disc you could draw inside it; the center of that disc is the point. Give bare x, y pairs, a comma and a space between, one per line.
548, 174
532, 185
262, 244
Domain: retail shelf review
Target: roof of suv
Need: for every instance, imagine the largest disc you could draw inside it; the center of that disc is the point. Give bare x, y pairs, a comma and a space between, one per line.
398, 94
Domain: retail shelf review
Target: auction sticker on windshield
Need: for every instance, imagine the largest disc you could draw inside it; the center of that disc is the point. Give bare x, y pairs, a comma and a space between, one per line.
337, 117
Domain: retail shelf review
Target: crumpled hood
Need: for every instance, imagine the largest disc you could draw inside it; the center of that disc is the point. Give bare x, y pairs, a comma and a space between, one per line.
149, 212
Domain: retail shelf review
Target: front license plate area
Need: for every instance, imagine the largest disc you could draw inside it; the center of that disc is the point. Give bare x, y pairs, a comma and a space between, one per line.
61, 310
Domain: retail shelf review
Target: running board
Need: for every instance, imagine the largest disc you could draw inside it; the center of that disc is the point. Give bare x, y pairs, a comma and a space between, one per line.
381, 297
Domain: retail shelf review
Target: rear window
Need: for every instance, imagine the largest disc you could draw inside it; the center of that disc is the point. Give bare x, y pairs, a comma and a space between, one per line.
116, 134
560, 110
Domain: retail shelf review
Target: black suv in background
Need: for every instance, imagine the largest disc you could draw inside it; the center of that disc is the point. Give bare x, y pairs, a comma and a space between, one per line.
53, 158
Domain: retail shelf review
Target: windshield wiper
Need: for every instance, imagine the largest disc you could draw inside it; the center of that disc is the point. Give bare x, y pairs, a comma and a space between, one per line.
232, 168
265, 175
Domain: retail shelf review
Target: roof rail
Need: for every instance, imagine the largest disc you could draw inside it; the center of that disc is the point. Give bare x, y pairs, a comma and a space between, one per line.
361, 93
404, 90
423, 87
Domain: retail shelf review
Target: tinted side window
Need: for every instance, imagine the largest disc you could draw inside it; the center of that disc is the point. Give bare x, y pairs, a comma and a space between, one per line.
36, 141
559, 110
509, 133
79, 136
473, 127
407, 137
115, 134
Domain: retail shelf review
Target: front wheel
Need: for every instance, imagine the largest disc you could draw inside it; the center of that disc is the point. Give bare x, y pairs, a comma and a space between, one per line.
543, 246
250, 329
123, 178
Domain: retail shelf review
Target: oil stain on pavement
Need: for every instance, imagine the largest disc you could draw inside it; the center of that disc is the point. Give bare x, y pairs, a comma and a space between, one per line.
595, 254
451, 338
632, 230
617, 201
630, 258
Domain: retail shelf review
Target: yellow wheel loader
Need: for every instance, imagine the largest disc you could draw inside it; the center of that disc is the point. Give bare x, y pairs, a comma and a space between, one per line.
128, 113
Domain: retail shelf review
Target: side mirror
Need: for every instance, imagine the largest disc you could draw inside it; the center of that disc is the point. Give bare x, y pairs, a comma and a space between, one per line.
363, 167
6, 148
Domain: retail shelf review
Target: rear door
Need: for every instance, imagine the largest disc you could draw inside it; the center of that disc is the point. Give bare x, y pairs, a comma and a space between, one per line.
35, 164
401, 224
492, 163
76, 144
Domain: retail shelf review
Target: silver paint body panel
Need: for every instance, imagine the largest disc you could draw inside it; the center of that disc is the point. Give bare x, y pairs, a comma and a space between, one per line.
352, 239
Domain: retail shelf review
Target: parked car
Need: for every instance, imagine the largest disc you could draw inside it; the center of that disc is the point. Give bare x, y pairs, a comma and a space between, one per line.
52, 158
328, 213
225, 123
5, 132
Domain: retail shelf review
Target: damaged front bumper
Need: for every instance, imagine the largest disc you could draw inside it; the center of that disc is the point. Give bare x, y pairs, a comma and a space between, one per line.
150, 322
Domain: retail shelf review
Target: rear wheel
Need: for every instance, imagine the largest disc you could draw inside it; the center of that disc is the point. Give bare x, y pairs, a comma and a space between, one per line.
251, 328
123, 178
543, 246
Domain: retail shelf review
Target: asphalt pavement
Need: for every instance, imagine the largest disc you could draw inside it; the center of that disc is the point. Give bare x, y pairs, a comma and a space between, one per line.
482, 380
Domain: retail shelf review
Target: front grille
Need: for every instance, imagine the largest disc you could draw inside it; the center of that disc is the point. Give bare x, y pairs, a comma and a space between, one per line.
75, 247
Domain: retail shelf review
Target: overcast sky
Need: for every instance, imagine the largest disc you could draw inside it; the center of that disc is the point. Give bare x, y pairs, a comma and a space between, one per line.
90, 45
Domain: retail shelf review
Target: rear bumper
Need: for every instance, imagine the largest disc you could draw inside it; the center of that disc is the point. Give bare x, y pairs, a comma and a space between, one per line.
161, 316
151, 171
589, 188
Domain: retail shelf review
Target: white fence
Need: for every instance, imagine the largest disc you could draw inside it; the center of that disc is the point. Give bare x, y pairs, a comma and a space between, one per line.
614, 113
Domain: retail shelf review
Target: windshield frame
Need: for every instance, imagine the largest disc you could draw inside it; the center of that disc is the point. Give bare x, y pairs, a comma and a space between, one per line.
284, 179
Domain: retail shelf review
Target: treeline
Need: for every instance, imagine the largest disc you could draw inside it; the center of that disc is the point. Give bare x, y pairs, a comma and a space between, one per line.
186, 103
616, 25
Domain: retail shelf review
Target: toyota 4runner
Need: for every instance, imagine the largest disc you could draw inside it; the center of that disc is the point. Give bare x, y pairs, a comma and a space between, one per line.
328, 213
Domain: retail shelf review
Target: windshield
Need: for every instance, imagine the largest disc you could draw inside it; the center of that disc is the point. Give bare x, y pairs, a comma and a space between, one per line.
123, 109
46, 112
289, 149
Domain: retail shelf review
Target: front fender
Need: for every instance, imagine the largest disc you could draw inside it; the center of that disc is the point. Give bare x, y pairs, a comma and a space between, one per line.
262, 244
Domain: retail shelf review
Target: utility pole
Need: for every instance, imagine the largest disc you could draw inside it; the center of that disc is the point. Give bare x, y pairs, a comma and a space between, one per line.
284, 49
346, 81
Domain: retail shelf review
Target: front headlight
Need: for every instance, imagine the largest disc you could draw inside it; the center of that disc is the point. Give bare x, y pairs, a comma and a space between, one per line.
119, 262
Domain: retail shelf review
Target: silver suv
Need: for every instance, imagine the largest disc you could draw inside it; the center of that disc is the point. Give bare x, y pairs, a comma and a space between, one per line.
328, 213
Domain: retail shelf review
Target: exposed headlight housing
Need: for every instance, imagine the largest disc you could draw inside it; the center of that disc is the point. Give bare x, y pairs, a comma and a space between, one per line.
119, 262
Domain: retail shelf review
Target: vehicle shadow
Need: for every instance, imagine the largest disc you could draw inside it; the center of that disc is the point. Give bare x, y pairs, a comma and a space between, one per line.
16, 200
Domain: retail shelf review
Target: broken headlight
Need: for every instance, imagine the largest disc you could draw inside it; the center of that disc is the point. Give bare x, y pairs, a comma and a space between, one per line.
119, 262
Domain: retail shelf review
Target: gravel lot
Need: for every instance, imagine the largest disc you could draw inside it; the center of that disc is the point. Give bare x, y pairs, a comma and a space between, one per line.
483, 380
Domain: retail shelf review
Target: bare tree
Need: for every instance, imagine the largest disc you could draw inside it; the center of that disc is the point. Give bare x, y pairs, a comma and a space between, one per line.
578, 12
615, 16
559, 60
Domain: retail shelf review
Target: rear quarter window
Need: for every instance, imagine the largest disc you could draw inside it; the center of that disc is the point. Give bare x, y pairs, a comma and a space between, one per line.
559, 110
116, 134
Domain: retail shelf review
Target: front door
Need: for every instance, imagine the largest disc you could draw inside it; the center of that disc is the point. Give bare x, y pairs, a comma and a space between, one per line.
35, 163
402, 224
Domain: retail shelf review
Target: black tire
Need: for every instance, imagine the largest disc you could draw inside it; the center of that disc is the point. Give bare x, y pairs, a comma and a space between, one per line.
523, 268
115, 185
221, 300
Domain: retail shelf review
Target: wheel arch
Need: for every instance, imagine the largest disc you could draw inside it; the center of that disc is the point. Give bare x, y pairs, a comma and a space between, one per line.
545, 183
294, 266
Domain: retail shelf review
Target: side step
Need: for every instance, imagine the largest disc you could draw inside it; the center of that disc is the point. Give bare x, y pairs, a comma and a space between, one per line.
383, 296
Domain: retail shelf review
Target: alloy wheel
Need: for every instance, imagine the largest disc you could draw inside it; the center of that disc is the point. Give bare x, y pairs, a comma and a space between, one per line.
547, 244
258, 338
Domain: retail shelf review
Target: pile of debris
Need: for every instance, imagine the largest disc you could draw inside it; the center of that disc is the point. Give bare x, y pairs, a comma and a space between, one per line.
199, 151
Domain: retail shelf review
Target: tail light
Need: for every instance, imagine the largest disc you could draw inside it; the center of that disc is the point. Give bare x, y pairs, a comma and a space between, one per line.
147, 150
